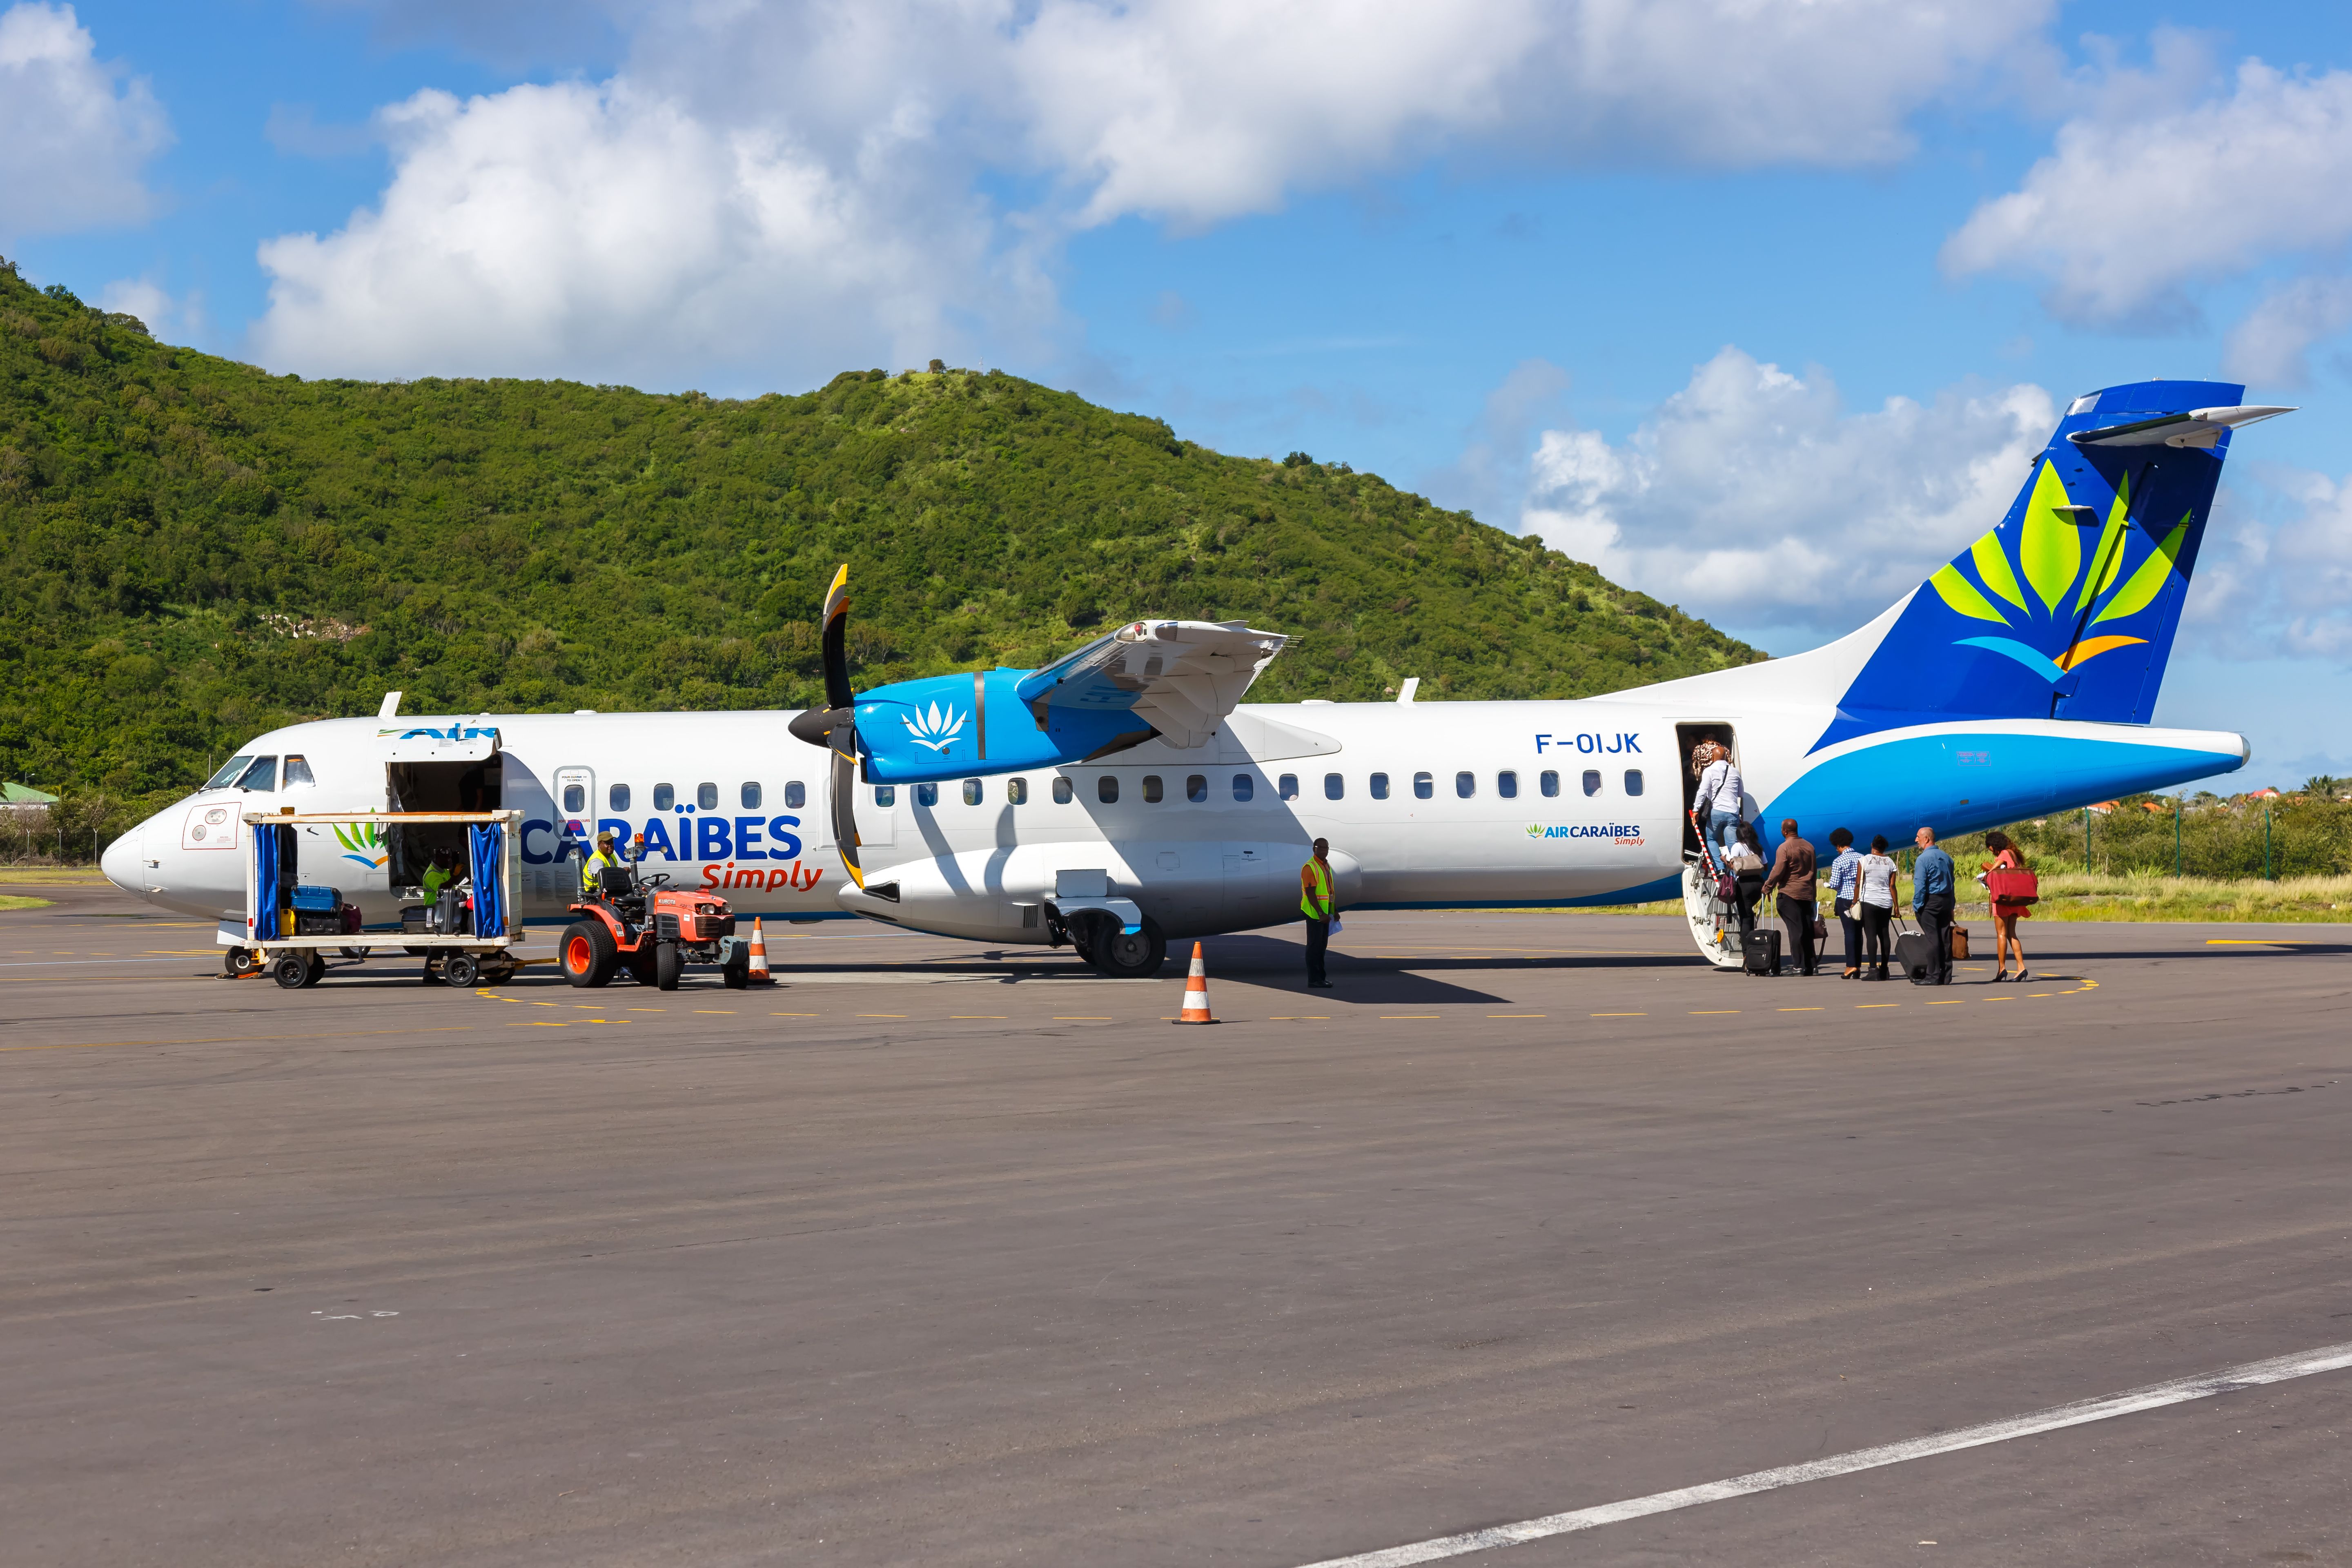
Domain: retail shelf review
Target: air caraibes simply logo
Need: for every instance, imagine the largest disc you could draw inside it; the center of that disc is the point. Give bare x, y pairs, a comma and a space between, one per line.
932, 727
1620, 833
2051, 560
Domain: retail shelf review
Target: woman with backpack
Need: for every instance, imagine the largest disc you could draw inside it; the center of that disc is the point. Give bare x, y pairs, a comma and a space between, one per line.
2006, 911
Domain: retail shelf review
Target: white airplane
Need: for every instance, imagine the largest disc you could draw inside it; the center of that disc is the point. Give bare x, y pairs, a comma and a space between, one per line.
1125, 796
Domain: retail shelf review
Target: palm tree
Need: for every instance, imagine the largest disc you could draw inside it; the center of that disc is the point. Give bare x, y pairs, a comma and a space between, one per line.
2323, 785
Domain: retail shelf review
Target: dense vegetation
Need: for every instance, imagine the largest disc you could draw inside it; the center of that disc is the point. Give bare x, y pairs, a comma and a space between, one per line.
195, 550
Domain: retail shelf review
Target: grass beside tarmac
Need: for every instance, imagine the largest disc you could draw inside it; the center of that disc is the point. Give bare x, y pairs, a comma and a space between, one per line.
2136, 896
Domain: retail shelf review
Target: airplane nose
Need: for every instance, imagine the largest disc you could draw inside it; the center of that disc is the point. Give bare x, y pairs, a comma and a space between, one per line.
122, 863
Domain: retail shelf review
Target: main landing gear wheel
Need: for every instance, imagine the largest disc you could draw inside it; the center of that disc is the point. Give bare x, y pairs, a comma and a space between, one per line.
1128, 955
459, 969
737, 971
238, 963
668, 964
586, 952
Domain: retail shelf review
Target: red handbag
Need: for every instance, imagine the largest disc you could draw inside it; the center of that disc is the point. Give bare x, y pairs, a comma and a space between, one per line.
2012, 887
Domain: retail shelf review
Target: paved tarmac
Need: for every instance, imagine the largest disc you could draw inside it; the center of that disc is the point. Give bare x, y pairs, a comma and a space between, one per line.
943, 1256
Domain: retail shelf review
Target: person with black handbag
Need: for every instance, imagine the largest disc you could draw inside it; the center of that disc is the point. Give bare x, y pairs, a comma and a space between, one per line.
1791, 877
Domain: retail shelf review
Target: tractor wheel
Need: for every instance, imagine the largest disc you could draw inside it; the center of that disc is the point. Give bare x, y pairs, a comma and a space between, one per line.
291, 970
586, 952
670, 963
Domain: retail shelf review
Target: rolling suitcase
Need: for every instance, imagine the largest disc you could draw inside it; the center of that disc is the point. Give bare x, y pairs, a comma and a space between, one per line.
1760, 953
1916, 952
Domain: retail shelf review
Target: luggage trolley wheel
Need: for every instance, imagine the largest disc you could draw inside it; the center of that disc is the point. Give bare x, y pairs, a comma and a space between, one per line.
459, 969
293, 970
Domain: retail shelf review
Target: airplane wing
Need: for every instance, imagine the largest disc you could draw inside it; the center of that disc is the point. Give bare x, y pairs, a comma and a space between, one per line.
1181, 677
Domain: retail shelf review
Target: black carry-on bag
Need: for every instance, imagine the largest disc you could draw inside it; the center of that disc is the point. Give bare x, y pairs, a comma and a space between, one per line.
1759, 952
1916, 952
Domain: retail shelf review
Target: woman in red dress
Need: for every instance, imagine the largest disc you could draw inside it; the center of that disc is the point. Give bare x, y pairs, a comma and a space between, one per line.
2007, 857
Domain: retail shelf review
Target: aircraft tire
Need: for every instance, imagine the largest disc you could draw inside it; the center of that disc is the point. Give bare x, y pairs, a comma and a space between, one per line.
585, 954
670, 963
1118, 955
238, 960
737, 971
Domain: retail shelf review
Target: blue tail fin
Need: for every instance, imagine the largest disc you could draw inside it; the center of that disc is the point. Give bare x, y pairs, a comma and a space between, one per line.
2067, 609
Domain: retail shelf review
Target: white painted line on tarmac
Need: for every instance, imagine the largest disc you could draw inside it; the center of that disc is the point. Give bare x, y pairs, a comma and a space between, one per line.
2230, 1380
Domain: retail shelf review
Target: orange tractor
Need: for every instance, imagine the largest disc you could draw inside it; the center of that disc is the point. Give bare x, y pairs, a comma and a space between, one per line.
652, 932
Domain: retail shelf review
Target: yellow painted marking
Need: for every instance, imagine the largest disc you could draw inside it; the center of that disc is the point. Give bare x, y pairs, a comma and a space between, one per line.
1620, 1014
881, 1015
720, 1012
795, 1014
1800, 1010
1996, 998
1715, 1012
648, 1009
1863, 1006
1959, 1000
541, 1024
2043, 994
2263, 940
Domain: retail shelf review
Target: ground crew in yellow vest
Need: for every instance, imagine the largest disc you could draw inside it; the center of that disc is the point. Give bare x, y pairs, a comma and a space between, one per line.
1315, 903
592, 864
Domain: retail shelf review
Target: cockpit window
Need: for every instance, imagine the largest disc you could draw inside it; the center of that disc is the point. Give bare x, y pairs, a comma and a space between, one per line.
298, 772
261, 775
230, 770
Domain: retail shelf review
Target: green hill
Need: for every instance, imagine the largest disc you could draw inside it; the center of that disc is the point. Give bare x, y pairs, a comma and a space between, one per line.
195, 549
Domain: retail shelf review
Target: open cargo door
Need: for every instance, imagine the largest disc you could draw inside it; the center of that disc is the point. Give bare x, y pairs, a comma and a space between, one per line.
455, 766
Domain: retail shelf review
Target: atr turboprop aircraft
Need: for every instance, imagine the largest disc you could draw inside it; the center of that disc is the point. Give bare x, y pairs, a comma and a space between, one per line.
1125, 795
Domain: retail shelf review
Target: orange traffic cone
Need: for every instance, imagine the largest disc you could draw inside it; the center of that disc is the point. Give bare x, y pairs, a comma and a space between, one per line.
759, 975
1196, 993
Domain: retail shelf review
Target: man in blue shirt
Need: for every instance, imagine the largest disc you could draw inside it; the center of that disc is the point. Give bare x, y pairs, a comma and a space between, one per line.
1932, 898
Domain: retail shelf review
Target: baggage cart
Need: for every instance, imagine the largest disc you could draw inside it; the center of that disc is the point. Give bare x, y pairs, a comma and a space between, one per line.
275, 938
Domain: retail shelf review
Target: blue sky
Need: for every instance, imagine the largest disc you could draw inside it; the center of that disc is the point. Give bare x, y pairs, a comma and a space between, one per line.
1758, 307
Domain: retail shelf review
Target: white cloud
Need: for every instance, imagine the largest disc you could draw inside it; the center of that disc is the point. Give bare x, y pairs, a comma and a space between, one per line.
71, 142
2271, 345
179, 319
795, 186
2275, 578
2144, 196
1752, 497
608, 233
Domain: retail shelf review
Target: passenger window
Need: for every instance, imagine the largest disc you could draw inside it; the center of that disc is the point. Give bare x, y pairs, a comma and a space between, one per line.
1151, 788
927, 794
231, 770
795, 795
1380, 786
1506, 785
1286, 787
617, 797
751, 797
971, 792
261, 775
1062, 791
884, 795
1466, 785
1550, 783
1633, 780
1334, 787
1107, 789
1017, 791
1245, 787
665, 797
707, 796
1196, 787
298, 772
1424, 785
575, 799
1592, 781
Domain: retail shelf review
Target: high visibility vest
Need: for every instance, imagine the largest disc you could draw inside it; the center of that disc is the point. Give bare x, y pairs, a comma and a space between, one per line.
1315, 905
590, 866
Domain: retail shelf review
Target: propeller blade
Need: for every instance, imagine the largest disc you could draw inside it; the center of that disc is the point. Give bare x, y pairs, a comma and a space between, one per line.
845, 815
833, 639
